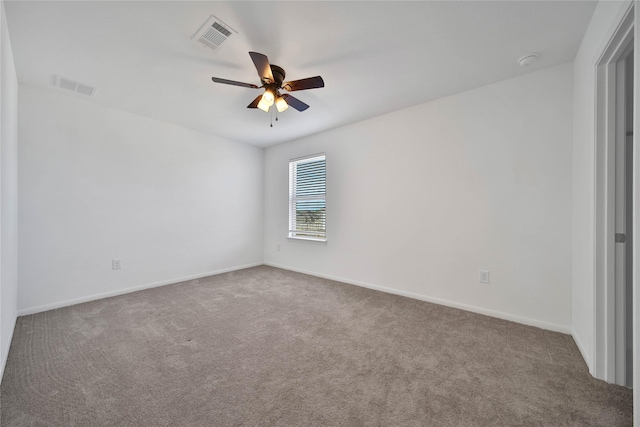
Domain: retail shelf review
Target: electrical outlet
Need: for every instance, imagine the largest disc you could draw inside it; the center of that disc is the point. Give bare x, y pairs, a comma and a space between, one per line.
116, 264
483, 276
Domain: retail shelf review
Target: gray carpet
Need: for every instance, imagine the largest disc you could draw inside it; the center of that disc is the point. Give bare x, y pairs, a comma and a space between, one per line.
269, 347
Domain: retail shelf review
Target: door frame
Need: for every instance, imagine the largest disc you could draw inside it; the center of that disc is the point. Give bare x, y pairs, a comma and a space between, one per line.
604, 355
622, 218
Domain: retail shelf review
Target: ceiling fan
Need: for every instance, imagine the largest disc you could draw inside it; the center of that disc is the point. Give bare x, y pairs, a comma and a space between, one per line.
272, 77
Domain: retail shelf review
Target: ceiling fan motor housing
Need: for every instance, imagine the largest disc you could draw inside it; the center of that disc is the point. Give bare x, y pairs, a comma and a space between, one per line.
278, 74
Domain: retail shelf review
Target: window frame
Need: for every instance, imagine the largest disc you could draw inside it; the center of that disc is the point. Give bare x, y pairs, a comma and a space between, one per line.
292, 232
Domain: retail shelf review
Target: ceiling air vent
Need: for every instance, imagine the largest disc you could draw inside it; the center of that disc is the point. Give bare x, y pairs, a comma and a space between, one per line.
73, 86
213, 33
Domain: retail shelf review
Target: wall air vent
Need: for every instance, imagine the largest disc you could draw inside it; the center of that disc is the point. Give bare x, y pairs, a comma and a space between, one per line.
213, 33
73, 86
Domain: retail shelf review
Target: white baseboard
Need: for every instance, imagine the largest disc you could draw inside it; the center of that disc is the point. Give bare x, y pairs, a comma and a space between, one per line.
5, 356
487, 312
59, 304
583, 351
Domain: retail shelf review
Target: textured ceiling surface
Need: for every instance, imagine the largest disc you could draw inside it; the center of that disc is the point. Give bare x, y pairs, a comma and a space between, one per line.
375, 57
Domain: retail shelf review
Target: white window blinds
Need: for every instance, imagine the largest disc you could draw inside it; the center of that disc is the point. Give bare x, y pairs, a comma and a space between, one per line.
307, 197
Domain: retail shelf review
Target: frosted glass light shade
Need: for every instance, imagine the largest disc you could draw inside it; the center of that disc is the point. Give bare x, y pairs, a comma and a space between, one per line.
263, 105
268, 97
281, 104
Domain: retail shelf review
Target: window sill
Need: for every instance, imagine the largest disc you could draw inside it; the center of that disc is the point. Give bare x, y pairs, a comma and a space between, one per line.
309, 239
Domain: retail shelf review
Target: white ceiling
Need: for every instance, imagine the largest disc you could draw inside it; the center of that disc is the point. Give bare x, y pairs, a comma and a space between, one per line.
375, 57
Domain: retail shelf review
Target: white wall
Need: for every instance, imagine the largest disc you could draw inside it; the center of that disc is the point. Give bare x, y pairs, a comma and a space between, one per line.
97, 184
421, 199
605, 19
8, 192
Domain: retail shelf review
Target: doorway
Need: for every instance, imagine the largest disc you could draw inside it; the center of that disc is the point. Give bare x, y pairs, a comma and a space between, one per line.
613, 354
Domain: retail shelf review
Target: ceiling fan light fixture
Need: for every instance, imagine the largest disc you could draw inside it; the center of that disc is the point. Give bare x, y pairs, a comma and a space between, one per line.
263, 105
281, 104
268, 97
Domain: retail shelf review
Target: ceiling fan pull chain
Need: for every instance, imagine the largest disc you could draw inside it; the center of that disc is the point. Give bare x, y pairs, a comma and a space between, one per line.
271, 114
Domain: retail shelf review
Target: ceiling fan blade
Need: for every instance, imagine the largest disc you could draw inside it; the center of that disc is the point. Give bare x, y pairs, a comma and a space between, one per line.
308, 83
295, 102
233, 82
262, 65
255, 102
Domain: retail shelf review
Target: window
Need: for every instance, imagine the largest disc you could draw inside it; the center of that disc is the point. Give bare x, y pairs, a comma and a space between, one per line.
307, 198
